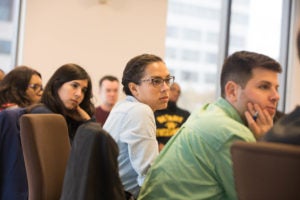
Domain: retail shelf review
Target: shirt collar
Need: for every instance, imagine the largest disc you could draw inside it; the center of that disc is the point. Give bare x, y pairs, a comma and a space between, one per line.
229, 109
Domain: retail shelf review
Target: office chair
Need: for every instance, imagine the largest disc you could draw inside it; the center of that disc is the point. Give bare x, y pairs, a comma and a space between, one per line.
266, 170
92, 171
46, 147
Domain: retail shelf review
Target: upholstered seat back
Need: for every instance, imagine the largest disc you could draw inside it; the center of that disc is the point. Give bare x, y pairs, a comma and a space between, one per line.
266, 170
46, 148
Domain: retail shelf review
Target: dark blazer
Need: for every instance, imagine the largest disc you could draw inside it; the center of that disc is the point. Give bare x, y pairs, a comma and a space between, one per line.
92, 170
13, 180
71, 123
286, 129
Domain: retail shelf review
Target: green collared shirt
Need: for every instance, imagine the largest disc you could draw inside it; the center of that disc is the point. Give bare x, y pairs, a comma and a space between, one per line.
196, 162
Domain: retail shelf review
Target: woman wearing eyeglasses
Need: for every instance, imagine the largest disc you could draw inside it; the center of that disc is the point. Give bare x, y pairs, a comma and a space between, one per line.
146, 83
68, 92
21, 87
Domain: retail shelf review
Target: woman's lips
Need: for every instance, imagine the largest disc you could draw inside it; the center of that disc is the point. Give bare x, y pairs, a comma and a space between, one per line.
74, 102
165, 99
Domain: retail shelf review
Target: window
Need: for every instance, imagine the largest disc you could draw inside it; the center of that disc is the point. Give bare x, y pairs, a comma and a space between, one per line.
195, 53
254, 29
5, 47
9, 22
199, 23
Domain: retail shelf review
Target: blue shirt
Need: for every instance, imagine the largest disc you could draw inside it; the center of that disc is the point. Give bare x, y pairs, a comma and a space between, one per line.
132, 125
196, 162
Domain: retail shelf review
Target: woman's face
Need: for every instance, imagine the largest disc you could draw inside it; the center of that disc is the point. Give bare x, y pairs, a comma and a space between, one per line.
156, 96
72, 93
35, 89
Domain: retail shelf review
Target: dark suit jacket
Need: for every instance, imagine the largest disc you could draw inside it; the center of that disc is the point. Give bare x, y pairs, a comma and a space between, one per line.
286, 129
92, 171
13, 180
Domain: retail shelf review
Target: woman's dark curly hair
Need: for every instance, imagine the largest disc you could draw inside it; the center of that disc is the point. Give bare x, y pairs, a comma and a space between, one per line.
66, 73
14, 85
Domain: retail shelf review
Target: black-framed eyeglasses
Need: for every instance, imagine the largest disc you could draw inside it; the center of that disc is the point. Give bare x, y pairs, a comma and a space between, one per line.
158, 81
36, 87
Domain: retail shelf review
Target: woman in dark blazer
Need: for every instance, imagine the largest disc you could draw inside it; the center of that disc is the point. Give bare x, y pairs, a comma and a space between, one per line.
68, 92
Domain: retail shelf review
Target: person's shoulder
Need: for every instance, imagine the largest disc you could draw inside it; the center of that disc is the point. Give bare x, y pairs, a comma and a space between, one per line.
132, 104
39, 108
215, 124
286, 130
9, 113
131, 109
141, 109
98, 109
184, 111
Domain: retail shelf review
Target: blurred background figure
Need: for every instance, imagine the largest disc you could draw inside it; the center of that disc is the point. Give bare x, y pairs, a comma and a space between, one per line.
21, 87
279, 114
169, 120
109, 93
2, 74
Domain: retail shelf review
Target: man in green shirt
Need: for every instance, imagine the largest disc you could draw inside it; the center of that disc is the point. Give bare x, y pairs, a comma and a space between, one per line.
196, 162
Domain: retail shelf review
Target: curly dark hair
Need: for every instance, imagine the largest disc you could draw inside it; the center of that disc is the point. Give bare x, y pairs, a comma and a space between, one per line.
14, 85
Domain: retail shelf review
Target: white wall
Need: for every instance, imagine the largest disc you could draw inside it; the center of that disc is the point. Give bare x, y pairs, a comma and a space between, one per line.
103, 37
99, 37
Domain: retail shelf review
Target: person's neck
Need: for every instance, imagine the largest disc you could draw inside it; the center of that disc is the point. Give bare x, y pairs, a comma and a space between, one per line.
9, 105
106, 107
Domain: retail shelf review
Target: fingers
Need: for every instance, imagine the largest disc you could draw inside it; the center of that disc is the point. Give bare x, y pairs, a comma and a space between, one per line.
251, 108
262, 116
257, 113
79, 114
253, 126
249, 117
254, 110
255, 116
259, 120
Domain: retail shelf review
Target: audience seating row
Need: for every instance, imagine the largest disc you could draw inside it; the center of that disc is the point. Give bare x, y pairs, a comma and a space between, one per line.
266, 170
54, 170
89, 170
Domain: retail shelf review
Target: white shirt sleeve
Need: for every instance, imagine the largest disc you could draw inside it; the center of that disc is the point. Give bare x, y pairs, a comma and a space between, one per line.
140, 135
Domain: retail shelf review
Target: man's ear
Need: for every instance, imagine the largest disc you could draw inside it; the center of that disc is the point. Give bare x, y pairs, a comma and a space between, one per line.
133, 88
231, 91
